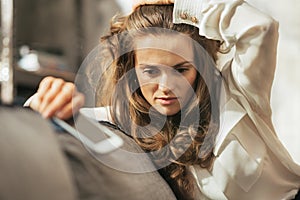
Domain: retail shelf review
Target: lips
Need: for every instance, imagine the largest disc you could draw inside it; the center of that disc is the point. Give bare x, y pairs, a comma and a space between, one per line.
166, 100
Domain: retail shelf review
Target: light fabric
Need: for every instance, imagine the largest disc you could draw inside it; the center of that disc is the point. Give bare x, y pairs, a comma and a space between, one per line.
251, 162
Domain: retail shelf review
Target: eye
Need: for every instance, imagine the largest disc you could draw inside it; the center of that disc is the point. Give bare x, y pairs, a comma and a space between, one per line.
182, 69
151, 71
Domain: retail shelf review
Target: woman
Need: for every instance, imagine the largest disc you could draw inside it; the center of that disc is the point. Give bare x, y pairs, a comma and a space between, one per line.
234, 156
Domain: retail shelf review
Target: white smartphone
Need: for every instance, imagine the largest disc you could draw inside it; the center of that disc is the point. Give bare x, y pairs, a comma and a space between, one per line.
95, 136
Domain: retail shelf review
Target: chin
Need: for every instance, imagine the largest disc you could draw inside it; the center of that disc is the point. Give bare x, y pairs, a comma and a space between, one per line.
168, 112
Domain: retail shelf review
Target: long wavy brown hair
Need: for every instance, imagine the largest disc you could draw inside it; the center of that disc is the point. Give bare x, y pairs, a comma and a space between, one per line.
182, 140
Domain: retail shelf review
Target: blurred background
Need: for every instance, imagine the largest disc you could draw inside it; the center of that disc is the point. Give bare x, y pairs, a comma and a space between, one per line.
52, 37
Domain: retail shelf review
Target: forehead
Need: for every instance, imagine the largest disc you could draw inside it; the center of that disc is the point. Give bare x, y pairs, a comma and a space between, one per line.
163, 46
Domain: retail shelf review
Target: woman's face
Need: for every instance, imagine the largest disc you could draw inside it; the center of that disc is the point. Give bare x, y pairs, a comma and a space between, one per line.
165, 71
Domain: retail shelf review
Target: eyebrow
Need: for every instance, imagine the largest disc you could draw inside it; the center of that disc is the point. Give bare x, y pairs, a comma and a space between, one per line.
174, 66
181, 63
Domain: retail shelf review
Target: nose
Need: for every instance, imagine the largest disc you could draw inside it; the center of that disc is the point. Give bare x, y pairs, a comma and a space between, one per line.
166, 83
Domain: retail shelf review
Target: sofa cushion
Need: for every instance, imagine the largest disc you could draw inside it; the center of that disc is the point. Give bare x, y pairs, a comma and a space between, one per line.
108, 176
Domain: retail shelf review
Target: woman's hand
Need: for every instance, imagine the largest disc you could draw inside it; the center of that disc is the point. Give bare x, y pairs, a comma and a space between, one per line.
136, 3
56, 97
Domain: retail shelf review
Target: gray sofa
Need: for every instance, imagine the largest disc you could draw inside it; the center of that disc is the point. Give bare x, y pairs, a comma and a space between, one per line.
37, 163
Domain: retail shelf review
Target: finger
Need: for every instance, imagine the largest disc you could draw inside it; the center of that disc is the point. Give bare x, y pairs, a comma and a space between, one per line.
35, 102
51, 94
45, 85
62, 98
71, 108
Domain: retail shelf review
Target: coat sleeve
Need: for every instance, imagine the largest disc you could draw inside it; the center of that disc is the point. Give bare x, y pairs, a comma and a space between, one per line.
250, 36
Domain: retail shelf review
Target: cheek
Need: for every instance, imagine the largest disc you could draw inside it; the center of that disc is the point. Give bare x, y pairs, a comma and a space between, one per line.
148, 91
188, 89
191, 80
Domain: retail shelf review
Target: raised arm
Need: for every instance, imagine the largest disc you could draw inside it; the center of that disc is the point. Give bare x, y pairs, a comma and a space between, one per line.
250, 34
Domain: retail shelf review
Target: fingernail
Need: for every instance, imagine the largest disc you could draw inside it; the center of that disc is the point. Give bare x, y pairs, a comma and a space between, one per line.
59, 114
45, 115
